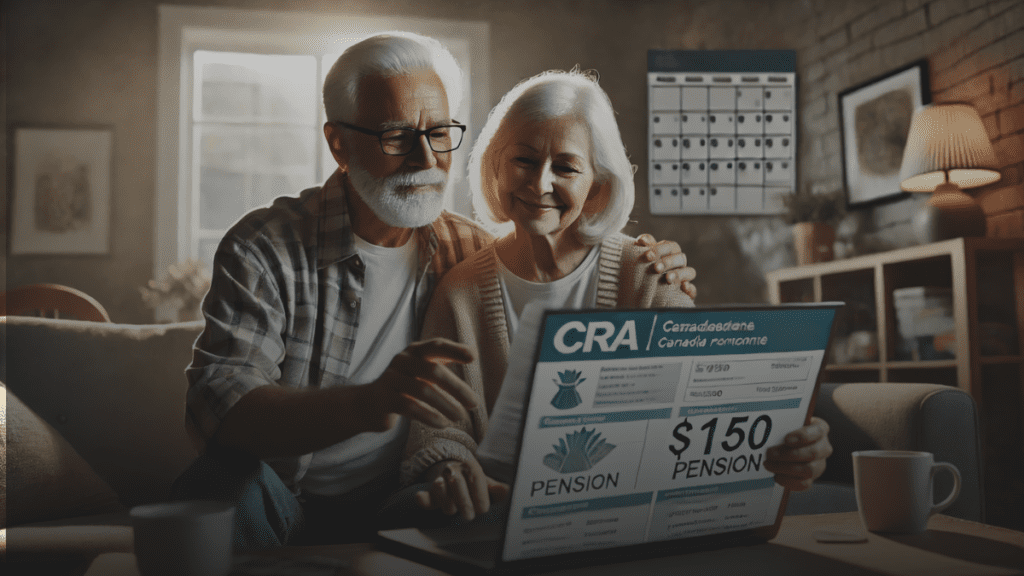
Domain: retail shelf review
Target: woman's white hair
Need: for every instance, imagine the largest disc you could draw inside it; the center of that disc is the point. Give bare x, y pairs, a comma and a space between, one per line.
550, 95
388, 54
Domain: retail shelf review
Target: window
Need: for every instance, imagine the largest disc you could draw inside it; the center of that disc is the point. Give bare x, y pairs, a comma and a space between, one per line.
240, 112
254, 120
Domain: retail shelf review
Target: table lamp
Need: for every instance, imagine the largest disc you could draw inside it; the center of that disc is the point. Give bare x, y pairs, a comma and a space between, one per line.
947, 150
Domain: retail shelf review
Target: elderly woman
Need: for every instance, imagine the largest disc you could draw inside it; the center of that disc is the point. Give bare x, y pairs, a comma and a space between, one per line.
551, 168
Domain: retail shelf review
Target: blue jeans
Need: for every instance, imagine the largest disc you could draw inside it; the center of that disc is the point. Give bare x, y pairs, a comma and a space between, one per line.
267, 514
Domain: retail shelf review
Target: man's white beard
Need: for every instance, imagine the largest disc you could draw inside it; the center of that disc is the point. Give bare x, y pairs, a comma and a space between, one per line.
393, 203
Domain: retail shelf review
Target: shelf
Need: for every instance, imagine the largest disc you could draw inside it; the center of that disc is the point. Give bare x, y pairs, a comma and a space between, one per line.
985, 277
913, 364
855, 366
924, 251
1002, 359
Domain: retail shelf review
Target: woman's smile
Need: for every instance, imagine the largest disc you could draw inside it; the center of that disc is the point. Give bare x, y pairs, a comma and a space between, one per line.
541, 206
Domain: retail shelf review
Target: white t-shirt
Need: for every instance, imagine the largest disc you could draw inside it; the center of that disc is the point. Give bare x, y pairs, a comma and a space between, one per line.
387, 325
577, 289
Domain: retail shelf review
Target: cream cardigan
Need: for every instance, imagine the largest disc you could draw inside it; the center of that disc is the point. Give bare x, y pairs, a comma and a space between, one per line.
467, 307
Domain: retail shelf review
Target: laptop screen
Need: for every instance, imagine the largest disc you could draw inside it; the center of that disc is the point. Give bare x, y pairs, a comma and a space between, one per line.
651, 425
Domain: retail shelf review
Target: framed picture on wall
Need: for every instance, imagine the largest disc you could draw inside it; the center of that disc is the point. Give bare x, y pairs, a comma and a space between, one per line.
60, 201
874, 119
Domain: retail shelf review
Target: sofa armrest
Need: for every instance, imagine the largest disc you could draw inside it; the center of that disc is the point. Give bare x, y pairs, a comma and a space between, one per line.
898, 416
42, 549
115, 392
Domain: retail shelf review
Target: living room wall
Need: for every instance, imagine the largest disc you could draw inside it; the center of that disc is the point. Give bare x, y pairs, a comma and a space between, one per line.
975, 52
94, 63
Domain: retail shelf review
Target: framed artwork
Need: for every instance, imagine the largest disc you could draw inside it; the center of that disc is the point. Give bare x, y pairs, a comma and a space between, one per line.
61, 190
874, 119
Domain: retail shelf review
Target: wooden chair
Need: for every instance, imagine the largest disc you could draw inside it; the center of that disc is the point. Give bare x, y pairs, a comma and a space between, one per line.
52, 301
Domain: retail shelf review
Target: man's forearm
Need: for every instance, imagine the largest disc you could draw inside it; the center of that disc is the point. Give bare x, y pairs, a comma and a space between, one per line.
273, 421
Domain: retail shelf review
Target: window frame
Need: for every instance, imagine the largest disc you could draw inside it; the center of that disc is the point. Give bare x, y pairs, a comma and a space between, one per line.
183, 30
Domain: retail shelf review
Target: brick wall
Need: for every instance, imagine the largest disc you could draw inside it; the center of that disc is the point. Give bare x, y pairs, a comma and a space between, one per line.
975, 52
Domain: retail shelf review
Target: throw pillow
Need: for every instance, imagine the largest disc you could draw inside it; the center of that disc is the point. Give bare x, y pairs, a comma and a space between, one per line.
45, 478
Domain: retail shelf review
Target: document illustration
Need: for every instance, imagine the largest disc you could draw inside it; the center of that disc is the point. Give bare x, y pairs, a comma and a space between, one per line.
643, 426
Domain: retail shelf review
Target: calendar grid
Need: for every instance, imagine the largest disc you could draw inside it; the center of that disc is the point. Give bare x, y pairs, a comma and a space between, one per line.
721, 142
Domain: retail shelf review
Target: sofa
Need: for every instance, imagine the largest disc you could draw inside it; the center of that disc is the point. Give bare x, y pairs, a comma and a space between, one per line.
94, 424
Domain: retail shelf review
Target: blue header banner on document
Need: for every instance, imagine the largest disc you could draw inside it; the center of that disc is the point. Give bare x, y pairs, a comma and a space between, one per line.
599, 335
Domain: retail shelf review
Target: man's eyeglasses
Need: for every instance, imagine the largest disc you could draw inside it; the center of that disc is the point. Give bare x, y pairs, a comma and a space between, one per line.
401, 141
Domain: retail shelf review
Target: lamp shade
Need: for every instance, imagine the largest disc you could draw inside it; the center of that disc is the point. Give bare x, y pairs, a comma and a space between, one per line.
947, 143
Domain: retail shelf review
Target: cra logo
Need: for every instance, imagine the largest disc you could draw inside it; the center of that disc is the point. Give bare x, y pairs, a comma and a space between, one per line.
596, 333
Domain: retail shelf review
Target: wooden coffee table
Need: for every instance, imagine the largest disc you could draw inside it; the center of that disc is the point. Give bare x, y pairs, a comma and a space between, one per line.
950, 546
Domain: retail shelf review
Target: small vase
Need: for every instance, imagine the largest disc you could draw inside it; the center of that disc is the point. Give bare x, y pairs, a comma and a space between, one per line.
813, 242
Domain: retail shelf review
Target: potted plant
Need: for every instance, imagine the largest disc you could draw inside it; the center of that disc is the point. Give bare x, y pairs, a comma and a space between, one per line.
814, 217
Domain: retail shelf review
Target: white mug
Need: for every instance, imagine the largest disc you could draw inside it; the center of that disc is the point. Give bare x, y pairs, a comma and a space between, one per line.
895, 489
183, 538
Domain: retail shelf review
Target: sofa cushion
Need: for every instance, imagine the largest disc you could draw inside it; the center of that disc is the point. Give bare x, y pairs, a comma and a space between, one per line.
115, 392
45, 477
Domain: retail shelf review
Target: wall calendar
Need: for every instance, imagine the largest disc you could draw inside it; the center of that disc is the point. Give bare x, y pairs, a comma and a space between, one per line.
721, 130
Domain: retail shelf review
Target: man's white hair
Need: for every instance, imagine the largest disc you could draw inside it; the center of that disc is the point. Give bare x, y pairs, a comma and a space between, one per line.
551, 95
388, 54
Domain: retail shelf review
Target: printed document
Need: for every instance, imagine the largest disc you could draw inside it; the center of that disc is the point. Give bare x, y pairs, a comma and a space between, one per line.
648, 425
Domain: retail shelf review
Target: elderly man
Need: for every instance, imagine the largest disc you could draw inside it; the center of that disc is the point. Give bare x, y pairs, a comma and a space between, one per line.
306, 374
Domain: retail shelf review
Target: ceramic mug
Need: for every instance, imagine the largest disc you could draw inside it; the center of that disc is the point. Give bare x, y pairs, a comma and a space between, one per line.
895, 488
190, 538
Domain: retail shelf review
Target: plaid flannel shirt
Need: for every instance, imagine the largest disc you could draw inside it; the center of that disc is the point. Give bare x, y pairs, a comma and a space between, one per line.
283, 306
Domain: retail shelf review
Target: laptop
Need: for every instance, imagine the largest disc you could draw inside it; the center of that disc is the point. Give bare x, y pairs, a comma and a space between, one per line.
627, 434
